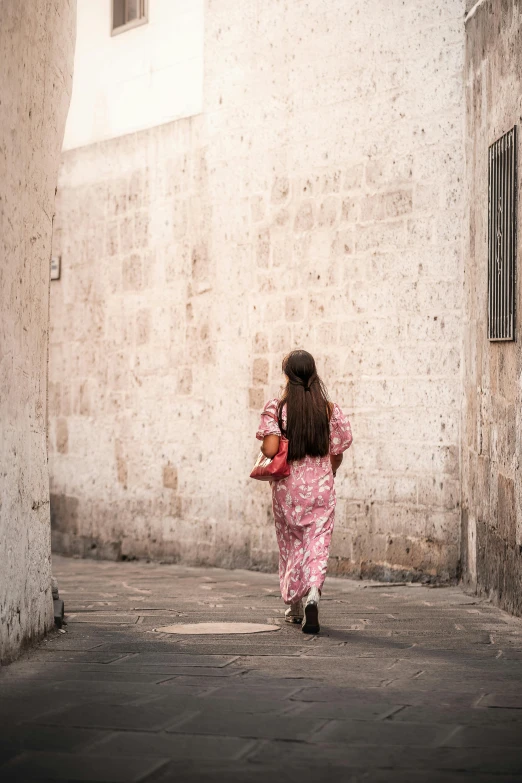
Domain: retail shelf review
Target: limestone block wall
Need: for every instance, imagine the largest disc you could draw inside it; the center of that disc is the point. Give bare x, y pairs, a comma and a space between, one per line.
36, 56
315, 202
492, 426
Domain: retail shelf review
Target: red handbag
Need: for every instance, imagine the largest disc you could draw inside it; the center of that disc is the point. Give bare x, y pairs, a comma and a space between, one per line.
267, 469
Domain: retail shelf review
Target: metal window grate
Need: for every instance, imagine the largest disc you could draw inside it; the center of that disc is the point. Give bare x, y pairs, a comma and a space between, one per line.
502, 237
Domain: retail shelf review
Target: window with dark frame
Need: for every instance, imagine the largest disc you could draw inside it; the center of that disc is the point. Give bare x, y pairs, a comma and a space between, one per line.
502, 235
127, 14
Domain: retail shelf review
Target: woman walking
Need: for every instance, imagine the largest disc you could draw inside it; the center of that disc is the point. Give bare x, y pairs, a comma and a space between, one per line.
304, 503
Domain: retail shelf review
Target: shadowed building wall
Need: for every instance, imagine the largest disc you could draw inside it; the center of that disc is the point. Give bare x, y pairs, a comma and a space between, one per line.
314, 201
36, 45
492, 446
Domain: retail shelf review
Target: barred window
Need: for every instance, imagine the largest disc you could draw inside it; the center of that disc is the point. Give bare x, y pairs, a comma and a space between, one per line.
127, 14
502, 237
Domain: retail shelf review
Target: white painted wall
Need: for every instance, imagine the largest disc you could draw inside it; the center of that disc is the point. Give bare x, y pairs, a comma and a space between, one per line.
143, 77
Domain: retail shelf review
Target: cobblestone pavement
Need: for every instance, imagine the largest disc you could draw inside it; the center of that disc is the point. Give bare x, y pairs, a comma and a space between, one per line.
404, 683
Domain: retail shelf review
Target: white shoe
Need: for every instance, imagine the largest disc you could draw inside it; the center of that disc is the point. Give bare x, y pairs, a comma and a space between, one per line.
294, 613
311, 612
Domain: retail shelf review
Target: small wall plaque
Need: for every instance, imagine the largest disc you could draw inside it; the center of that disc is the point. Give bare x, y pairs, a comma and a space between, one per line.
56, 266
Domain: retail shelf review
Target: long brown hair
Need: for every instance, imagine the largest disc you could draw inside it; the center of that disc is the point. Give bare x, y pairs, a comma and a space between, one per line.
307, 408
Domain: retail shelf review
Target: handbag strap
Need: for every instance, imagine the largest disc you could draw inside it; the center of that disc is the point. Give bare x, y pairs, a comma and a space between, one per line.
280, 419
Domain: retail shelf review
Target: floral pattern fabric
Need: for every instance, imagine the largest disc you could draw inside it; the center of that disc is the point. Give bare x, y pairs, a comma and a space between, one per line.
304, 508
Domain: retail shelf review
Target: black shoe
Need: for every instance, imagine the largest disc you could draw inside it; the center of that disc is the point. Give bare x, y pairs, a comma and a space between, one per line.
310, 622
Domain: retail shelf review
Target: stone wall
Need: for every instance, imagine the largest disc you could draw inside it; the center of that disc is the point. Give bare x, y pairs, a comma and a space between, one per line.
492, 446
36, 46
315, 202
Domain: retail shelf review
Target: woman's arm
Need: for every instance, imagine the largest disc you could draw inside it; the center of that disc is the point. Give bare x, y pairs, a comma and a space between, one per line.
270, 445
336, 460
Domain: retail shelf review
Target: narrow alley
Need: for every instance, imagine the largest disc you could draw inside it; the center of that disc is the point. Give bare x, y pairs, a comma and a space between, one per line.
404, 681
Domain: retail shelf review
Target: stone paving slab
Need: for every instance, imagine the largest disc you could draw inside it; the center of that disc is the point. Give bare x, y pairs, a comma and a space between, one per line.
179, 747
77, 656
212, 705
477, 716
248, 725
243, 772
480, 737
507, 700
100, 618
230, 647
174, 659
403, 684
249, 692
493, 762
352, 709
15, 740
357, 732
168, 670
439, 776
33, 765
145, 717
130, 690
149, 672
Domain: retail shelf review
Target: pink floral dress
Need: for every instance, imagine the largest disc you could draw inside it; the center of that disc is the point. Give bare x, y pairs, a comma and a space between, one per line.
304, 508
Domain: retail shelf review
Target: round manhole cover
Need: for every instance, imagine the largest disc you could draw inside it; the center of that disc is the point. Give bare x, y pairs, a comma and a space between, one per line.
216, 628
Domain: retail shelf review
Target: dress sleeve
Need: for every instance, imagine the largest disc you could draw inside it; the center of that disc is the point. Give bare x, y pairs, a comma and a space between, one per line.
268, 424
340, 432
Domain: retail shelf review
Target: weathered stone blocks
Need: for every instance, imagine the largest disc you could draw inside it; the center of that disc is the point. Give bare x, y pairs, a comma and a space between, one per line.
491, 424
37, 45
314, 203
